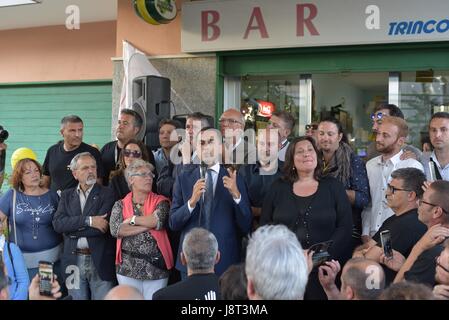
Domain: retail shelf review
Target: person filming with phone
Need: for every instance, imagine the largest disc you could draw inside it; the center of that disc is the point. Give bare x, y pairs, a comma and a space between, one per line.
402, 230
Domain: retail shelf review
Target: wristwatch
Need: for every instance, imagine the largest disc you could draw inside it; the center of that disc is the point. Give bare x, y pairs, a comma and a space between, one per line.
133, 221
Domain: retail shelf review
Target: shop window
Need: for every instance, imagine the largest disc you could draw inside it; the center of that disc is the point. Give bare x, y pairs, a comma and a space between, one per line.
262, 95
421, 94
350, 98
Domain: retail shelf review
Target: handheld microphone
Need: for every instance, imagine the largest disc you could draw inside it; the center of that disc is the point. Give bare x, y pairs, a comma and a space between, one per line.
203, 170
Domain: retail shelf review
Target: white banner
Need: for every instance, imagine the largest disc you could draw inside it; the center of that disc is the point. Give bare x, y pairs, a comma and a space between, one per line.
257, 24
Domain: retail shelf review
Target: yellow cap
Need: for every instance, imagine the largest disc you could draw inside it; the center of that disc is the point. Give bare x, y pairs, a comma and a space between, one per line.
22, 153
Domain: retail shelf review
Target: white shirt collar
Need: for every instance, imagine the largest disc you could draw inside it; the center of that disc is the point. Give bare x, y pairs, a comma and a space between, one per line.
394, 159
215, 167
78, 189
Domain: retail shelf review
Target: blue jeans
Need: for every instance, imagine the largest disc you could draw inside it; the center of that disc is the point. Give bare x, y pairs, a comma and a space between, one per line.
85, 283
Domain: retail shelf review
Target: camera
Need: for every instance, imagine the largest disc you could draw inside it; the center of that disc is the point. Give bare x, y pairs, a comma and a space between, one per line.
3, 134
321, 254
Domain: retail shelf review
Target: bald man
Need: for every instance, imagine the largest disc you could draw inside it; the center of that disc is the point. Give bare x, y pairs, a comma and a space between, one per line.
361, 279
124, 292
237, 151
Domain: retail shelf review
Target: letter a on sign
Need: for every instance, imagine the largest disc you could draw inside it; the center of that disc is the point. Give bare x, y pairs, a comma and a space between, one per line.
260, 24
373, 20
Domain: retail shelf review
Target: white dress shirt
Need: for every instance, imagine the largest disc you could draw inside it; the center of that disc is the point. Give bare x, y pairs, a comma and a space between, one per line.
379, 175
215, 170
443, 171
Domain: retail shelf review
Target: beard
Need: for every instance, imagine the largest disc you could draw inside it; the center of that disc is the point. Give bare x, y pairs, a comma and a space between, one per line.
385, 148
91, 181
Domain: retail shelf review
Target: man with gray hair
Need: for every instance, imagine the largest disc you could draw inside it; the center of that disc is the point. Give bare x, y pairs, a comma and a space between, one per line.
56, 171
200, 254
276, 265
82, 217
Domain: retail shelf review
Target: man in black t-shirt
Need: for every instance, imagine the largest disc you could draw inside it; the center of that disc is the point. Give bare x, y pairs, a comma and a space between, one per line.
128, 126
56, 169
402, 193
433, 211
200, 254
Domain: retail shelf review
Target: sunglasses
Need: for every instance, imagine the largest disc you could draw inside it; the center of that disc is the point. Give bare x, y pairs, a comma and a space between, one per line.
377, 116
132, 154
311, 126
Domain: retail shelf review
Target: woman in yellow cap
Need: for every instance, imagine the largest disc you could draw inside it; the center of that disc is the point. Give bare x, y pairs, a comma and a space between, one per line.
30, 208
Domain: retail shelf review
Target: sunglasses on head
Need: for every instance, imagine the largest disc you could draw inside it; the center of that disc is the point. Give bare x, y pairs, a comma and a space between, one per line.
132, 153
311, 126
377, 116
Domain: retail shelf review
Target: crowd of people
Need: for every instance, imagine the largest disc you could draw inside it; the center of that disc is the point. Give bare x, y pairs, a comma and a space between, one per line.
223, 213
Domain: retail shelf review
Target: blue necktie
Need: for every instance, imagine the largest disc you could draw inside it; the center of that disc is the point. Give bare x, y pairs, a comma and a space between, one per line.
208, 199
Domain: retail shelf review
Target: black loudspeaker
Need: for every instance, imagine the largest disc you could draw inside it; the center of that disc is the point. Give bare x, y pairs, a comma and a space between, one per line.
152, 95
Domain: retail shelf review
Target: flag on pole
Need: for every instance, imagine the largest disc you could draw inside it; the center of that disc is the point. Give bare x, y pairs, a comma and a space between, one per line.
135, 64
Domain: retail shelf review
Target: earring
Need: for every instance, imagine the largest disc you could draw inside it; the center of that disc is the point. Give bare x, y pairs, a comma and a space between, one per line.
293, 169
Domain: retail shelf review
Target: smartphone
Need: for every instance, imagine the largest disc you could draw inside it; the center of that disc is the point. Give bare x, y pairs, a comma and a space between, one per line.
321, 253
45, 277
385, 239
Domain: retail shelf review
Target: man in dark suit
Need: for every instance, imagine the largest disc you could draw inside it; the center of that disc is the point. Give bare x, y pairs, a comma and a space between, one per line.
238, 147
82, 217
213, 198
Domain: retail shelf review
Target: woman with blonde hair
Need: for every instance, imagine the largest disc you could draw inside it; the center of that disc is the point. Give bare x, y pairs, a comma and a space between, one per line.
144, 256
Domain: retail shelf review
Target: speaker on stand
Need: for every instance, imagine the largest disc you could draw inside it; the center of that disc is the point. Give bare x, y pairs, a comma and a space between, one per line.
151, 99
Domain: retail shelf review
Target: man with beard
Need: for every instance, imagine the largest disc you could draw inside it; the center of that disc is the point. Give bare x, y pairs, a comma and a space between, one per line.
389, 110
82, 217
390, 138
56, 171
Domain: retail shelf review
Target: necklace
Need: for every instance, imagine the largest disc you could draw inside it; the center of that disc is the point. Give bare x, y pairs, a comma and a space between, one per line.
35, 216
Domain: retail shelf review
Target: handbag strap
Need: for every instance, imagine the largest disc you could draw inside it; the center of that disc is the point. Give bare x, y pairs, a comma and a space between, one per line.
14, 198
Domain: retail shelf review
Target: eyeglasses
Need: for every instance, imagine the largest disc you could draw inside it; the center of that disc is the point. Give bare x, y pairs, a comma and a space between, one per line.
312, 126
437, 262
229, 121
377, 116
421, 201
143, 174
393, 189
132, 153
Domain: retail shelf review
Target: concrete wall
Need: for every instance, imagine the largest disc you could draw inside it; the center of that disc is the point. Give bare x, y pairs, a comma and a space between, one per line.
193, 82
